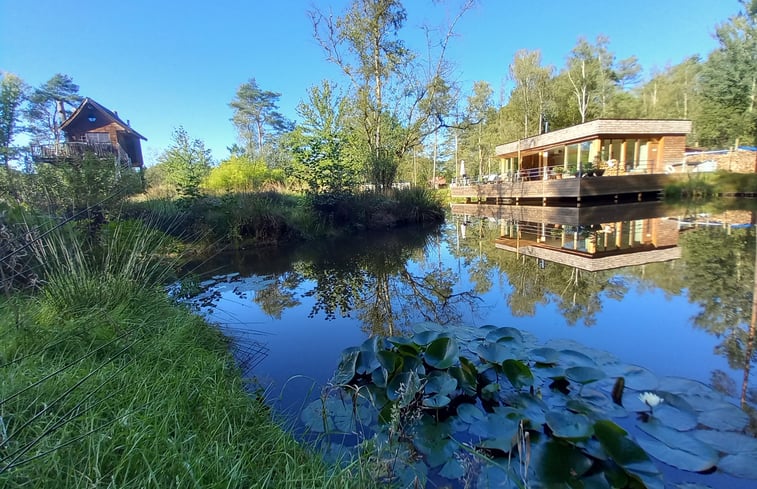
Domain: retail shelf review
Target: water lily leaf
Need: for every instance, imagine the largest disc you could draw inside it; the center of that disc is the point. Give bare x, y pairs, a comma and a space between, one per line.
517, 373
433, 440
442, 353
727, 441
569, 425
493, 352
470, 413
390, 360
639, 378
367, 362
676, 448
426, 337
495, 426
740, 465
379, 377
346, 370
559, 463
680, 385
617, 444
545, 355
674, 417
724, 416
466, 376
403, 387
333, 415
440, 382
436, 401
504, 334
584, 375
574, 358
453, 469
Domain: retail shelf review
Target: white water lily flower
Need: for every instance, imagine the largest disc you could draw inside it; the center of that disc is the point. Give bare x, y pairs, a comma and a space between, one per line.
650, 399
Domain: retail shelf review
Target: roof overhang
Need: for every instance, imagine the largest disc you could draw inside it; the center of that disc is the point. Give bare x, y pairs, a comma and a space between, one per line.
594, 129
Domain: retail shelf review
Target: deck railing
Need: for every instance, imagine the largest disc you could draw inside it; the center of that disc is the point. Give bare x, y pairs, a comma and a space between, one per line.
71, 151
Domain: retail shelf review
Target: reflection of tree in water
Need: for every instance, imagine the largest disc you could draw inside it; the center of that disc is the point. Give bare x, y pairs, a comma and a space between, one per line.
536, 283
279, 295
721, 275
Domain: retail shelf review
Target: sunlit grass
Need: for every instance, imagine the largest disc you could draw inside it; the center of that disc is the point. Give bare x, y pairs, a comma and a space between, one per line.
105, 382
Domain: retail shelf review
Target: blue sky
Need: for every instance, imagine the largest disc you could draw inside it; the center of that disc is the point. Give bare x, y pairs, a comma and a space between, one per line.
165, 63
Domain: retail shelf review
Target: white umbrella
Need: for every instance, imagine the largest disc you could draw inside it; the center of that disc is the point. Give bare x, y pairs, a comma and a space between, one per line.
462, 168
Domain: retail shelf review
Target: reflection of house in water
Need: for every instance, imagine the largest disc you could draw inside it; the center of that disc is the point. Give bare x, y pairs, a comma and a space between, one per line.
592, 238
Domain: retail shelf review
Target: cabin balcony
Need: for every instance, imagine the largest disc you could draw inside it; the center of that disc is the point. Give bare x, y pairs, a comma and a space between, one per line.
70, 152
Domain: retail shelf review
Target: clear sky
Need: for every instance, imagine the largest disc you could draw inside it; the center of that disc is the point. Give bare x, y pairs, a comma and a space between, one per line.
165, 63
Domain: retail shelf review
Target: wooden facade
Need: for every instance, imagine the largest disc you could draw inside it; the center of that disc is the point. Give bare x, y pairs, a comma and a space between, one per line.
605, 159
93, 129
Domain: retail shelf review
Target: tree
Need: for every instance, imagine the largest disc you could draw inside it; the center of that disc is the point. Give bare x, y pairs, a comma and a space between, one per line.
47, 107
255, 113
529, 95
187, 162
393, 94
673, 92
729, 82
318, 144
12, 96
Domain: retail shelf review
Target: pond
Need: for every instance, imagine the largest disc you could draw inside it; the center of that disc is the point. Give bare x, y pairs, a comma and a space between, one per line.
661, 297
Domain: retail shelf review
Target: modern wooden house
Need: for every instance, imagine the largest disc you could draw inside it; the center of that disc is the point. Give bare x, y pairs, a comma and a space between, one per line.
93, 129
611, 159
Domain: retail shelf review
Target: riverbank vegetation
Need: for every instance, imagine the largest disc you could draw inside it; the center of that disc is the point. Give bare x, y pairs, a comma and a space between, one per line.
109, 382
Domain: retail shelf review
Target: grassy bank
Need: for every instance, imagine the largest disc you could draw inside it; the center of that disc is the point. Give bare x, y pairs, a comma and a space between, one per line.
266, 218
105, 382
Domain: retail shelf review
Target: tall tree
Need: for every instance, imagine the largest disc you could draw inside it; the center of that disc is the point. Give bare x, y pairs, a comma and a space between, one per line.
395, 95
255, 113
318, 143
48, 107
479, 109
13, 92
529, 96
729, 82
187, 162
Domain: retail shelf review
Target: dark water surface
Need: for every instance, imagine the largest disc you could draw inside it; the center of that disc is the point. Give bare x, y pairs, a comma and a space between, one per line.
670, 291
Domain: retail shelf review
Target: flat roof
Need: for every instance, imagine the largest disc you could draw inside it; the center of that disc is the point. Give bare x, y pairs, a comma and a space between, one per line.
593, 129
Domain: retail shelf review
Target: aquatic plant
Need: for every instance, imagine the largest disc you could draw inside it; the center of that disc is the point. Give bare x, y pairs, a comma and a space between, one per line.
555, 413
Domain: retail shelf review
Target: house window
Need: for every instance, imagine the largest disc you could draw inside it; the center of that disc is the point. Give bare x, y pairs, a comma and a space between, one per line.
98, 138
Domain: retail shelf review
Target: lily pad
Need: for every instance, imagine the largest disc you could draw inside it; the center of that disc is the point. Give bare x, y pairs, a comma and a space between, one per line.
517, 373
470, 413
584, 375
504, 334
346, 370
569, 425
740, 465
440, 382
493, 352
728, 441
724, 416
442, 353
676, 448
453, 469
639, 378
559, 463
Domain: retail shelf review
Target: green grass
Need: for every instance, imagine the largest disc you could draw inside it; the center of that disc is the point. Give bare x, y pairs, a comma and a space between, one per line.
105, 382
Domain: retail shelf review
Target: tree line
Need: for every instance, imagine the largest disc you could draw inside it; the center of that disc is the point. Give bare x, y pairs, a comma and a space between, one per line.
397, 114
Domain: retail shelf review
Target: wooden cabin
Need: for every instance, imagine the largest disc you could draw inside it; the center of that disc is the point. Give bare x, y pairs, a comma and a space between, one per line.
93, 129
623, 157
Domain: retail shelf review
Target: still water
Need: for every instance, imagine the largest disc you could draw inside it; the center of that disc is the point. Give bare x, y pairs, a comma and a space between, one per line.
668, 290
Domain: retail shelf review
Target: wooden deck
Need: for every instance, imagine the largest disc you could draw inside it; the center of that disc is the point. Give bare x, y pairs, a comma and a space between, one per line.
567, 190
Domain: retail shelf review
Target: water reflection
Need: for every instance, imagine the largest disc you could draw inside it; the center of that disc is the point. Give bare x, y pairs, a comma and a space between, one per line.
672, 290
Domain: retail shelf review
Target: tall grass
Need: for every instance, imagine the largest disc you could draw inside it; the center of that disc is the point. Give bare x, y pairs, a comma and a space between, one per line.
107, 383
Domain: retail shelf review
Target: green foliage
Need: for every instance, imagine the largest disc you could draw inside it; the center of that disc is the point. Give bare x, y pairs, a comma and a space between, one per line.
47, 107
13, 93
240, 174
522, 409
187, 162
